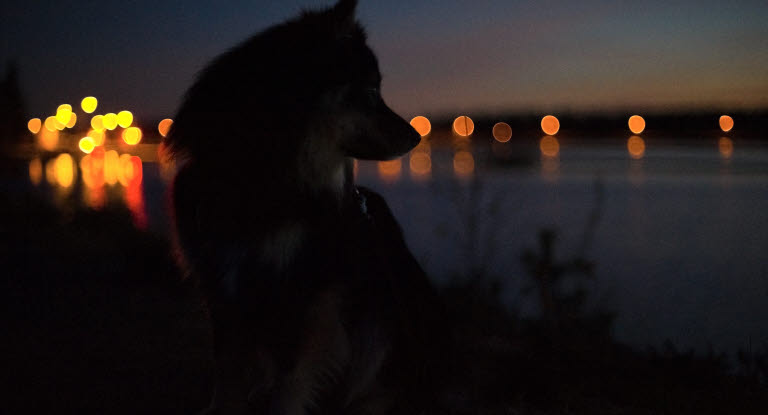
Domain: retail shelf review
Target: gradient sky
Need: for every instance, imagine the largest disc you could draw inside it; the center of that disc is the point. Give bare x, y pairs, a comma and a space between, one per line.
437, 57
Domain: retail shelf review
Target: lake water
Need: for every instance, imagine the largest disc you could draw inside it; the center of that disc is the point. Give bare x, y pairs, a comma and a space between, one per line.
679, 233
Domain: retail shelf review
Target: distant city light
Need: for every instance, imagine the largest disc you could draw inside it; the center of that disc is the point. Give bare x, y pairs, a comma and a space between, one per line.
636, 124
725, 146
86, 145
164, 126
463, 126
636, 147
64, 113
726, 123
97, 122
89, 104
422, 125
463, 163
502, 132
550, 125
132, 135
110, 121
124, 119
34, 125
549, 146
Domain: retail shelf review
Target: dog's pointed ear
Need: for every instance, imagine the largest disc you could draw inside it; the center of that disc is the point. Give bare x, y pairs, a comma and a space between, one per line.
344, 16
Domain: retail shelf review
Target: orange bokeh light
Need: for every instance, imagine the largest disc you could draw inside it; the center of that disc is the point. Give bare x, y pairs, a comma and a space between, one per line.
726, 123
34, 125
36, 171
725, 146
164, 126
422, 125
463, 126
636, 124
502, 132
636, 147
64, 170
550, 125
47, 139
549, 146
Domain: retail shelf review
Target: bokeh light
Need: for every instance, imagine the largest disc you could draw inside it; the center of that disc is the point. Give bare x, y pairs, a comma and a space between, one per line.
164, 126
48, 139
726, 123
502, 132
636, 147
98, 136
110, 121
64, 169
725, 147
50, 124
550, 125
549, 146
97, 122
463, 126
36, 171
420, 164
64, 113
86, 145
636, 124
34, 125
132, 136
463, 163
124, 119
111, 167
89, 104
72, 120
422, 125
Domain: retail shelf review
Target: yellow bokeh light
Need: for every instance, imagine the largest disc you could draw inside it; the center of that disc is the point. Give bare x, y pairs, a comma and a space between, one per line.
89, 104
98, 136
636, 124
502, 132
124, 119
64, 170
34, 125
550, 125
422, 125
97, 122
463, 163
463, 126
72, 120
64, 113
726, 123
164, 126
549, 146
36, 171
725, 146
636, 147
86, 145
110, 121
132, 135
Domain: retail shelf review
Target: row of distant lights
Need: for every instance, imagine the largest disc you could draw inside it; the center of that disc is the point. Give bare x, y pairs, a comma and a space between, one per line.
550, 125
65, 117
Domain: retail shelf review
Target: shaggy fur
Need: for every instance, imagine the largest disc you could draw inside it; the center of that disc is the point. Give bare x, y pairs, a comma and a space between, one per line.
316, 303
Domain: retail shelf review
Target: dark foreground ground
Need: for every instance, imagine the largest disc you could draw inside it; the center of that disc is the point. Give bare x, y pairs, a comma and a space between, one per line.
97, 320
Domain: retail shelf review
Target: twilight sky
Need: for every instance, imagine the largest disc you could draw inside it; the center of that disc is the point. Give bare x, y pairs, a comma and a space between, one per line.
437, 57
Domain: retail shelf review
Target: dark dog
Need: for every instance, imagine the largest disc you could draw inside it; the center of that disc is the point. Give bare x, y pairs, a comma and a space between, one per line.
317, 305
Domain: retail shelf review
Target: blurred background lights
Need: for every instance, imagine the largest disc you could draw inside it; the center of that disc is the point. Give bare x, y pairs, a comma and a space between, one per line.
72, 120
110, 121
132, 135
89, 104
97, 136
420, 163
86, 145
111, 167
550, 125
124, 119
34, 125
390, 171
636, 147
97, 122
48, 139
502, 132
725, 146
636, 124
422, 125
50, 124
726, 123
463, 126
164, 126
64, 170
64, 113
36, 171
463, 163
549, 146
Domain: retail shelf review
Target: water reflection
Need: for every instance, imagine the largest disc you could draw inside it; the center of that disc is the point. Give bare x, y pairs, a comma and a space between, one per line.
463, 164
636, 147
421, 162
390, 171
549, 146
725, 147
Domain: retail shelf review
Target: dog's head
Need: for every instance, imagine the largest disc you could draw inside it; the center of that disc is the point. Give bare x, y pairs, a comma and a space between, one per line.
311, 78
